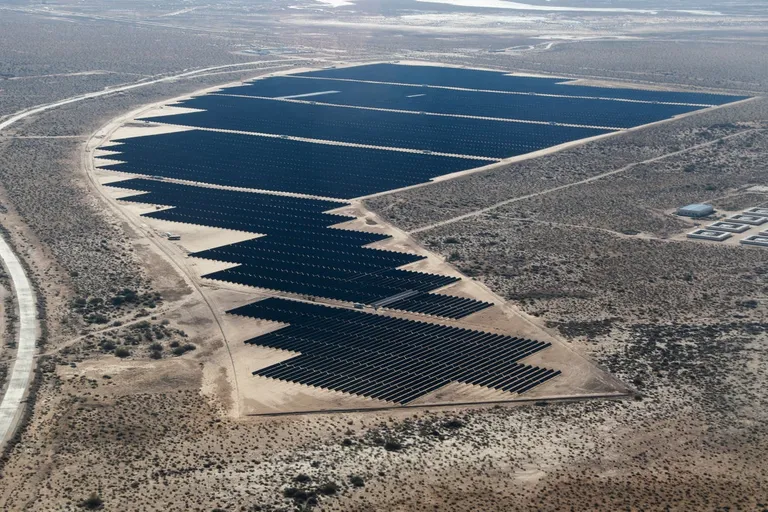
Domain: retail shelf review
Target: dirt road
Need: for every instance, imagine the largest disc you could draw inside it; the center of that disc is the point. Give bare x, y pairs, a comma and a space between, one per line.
27, 339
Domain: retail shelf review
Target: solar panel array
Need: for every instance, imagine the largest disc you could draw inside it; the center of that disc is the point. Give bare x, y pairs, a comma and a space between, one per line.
337, 134
386, 358
565, 109
301, 253
440, 134
501, 81
245, 161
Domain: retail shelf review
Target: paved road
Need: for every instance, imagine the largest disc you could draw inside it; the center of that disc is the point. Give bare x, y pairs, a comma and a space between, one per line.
21, 373
27, 338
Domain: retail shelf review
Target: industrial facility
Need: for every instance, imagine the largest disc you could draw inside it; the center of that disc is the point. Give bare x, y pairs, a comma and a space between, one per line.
696, 210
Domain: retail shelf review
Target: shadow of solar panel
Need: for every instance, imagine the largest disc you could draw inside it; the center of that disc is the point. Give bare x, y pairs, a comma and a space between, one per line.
275, 164
386, 358
502, 81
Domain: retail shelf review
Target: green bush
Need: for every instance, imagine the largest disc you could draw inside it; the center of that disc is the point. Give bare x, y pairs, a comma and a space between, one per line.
122, 352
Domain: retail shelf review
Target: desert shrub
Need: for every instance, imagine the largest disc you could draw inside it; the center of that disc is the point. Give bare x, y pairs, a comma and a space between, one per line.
328, 489
178, 351
92, 502
357, 481
392, 445
453, 423
96, 318
122, 352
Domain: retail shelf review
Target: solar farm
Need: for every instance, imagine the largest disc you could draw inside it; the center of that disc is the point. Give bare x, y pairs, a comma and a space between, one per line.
335, 308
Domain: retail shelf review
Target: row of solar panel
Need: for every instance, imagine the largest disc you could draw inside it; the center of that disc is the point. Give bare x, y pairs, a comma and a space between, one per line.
364, 288
276, 164
160, 191
454, 135
300, 253
588, 112
388, 358
392, 384
439, 305
277, 227
268, 249
501, 81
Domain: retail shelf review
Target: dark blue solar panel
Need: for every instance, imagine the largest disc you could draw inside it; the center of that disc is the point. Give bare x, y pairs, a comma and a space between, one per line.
579, 111
501, 81
387, 358
277, 164
301, 253
475, 137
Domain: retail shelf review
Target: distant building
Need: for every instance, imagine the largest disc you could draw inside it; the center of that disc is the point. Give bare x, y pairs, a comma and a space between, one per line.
696, 210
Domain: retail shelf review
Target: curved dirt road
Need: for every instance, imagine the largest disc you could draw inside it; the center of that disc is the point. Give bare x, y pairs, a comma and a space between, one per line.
25, 343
